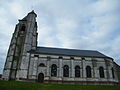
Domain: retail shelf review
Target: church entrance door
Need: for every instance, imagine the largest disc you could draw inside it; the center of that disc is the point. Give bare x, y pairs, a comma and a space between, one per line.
41, 77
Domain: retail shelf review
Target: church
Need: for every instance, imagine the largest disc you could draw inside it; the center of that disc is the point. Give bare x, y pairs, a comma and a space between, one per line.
26, 61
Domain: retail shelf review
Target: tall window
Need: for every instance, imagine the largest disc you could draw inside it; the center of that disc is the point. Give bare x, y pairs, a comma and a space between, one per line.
77, 71
88, 72
113, 75
54, 70
66, 71
101, 72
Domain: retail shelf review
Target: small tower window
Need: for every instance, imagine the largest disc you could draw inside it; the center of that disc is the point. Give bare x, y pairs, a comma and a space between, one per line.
23, 28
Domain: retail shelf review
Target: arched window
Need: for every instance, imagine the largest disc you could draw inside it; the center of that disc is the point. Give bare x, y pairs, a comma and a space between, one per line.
77, 71
66, 71
42, 65
54, 70
101, 72
88, 72
113, 75
23, 28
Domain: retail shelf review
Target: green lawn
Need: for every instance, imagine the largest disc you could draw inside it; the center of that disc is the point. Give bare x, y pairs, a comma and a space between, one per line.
14, 85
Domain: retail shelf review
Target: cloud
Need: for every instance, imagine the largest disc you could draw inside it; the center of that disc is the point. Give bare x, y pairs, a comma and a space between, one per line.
80, 24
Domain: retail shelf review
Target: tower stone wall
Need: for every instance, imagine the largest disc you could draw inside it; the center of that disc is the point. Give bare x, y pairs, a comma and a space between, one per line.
24, 39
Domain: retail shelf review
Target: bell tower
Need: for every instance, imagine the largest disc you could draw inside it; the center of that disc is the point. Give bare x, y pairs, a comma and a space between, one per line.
23, 40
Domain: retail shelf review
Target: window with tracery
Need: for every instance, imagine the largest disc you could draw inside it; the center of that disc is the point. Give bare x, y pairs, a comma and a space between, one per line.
54, 70
66, 71
77, 71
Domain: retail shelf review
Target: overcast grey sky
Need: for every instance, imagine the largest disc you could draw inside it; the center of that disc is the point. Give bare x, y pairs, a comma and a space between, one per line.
78, 24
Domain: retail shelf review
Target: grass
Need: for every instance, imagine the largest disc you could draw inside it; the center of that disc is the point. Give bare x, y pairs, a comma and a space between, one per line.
15, 85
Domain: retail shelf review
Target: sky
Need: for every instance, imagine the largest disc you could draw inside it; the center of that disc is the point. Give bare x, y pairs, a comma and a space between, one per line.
74, 24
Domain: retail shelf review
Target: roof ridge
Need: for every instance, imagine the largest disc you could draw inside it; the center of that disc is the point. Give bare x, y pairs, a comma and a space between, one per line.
66, 48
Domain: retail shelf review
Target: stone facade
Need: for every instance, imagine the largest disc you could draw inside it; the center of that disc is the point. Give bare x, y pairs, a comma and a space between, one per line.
37, 59
24, 65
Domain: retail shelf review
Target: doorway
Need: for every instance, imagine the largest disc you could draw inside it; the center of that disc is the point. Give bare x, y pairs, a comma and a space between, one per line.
41, 77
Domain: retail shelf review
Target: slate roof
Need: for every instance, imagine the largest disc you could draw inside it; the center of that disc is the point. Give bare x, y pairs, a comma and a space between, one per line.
69, 52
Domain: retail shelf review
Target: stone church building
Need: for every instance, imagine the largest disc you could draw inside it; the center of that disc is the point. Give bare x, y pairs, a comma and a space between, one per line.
26, 61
